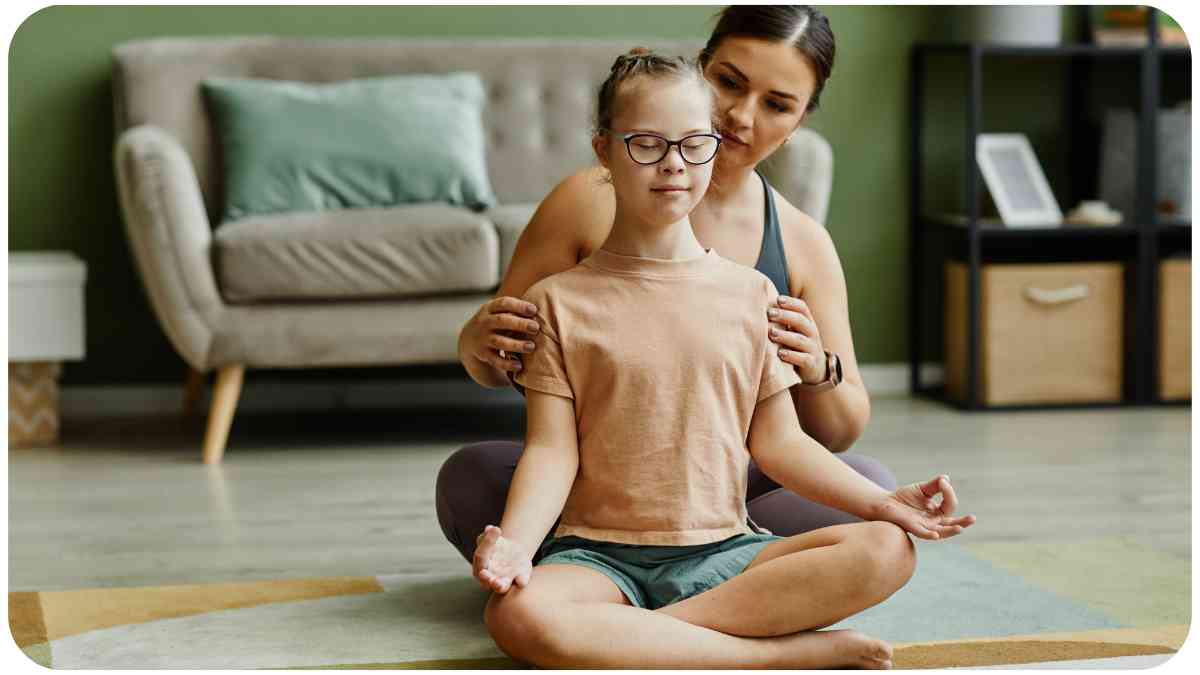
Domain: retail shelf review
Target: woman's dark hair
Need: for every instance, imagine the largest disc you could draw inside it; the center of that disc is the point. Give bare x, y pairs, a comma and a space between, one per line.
801, 26
638, 62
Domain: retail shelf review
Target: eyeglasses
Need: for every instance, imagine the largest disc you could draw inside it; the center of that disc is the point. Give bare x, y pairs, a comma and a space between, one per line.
652, 148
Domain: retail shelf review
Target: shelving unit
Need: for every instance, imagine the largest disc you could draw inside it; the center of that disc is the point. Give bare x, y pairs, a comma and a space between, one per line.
1140, 242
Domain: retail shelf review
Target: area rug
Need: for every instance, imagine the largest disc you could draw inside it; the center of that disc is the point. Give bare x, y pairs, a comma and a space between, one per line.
967, 605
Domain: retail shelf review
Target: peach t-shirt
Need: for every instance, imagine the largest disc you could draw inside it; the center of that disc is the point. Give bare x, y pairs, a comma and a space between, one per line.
665, 361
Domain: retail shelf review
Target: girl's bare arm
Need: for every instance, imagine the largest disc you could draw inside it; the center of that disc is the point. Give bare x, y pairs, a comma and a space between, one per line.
545, 472
792, 458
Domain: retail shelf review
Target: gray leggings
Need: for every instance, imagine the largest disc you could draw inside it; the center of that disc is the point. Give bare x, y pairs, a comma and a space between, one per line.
472, 489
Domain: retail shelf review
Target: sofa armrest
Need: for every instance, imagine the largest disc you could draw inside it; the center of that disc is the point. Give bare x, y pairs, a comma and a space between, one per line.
802, 171
170, 237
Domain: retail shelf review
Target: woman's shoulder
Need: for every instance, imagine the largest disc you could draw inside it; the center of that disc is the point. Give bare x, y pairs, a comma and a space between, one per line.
807, 244
564, 228
582, 204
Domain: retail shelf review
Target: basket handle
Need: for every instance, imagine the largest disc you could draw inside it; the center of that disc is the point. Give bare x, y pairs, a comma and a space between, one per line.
1058, 296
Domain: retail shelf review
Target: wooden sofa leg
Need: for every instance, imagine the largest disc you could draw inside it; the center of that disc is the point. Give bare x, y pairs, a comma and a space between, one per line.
220, 415
192, 391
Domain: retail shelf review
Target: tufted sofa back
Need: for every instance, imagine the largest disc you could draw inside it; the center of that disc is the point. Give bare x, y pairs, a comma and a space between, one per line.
541, 93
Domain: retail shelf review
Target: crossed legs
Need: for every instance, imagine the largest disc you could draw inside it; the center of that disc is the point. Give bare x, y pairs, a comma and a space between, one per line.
572, 616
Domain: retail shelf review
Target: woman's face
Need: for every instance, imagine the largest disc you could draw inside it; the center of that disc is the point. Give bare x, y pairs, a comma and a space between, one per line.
763, 88
664, 192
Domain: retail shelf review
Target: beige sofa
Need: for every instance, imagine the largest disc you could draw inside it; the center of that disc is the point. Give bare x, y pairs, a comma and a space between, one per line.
357, 287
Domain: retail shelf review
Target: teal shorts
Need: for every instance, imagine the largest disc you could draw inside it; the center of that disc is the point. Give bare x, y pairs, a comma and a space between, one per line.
656, 576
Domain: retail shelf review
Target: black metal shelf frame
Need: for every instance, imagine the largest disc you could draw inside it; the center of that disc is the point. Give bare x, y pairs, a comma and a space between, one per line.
1142, 237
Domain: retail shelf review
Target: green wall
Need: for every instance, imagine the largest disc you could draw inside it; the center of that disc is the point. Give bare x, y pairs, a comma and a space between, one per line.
62, 193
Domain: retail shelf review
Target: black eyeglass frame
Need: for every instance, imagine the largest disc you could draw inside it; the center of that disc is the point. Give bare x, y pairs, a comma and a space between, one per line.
629, 137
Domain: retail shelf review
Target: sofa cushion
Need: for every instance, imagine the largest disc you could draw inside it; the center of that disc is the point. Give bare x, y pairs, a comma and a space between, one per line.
357, 253
510, 221
370, 142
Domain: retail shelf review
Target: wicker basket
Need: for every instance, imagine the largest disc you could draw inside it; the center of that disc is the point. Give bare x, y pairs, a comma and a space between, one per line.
33, 403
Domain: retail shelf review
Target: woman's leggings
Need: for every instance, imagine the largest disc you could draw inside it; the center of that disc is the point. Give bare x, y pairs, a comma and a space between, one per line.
472, 490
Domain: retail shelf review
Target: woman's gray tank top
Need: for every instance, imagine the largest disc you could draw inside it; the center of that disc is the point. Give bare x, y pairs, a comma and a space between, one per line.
771, 260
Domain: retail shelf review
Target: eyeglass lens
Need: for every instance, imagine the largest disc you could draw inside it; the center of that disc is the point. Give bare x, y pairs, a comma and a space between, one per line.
647, 149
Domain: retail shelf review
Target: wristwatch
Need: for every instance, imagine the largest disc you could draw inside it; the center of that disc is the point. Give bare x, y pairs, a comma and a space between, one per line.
833, 374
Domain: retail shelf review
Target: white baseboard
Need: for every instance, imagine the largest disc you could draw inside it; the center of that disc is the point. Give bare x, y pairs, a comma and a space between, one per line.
86, 402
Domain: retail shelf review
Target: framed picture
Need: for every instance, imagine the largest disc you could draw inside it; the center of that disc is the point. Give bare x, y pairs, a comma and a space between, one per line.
1016, 182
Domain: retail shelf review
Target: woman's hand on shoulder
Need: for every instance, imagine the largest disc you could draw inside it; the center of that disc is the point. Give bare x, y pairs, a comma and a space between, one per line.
815, 316
502, 323
795, 330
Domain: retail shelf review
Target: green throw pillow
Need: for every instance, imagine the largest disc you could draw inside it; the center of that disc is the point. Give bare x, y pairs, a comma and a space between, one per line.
381, 141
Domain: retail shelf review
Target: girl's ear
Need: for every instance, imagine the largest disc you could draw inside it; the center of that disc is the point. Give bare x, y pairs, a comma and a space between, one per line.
600, 147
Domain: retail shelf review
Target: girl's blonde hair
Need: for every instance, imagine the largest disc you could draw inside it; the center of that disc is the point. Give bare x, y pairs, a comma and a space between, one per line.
642, 62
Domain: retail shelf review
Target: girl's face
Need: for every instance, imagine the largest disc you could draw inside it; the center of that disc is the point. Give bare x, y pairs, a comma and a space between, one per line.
663, 192
763, 88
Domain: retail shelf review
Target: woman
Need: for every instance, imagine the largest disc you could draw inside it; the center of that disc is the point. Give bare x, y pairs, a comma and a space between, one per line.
768, 65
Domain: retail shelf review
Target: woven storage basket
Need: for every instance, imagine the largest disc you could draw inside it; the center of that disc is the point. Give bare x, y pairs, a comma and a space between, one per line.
1050, 333
33, 403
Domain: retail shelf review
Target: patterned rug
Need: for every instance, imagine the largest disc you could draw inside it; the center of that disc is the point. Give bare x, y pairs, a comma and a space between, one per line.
967, 605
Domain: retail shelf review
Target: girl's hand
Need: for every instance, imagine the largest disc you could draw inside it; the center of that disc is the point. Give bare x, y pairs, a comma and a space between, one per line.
913, 508
793, 328
501, 323
500, 562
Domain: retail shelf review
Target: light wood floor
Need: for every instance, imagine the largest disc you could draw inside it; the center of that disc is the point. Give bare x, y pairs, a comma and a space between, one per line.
128, 502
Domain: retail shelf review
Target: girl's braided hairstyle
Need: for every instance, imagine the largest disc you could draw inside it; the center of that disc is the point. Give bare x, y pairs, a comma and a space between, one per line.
642, 62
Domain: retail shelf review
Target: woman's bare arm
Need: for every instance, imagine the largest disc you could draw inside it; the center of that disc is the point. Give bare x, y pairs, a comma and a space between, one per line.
571, 219
835, 418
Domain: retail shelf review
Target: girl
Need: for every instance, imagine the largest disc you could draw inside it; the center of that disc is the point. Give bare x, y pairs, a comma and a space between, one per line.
652, 384
769, 65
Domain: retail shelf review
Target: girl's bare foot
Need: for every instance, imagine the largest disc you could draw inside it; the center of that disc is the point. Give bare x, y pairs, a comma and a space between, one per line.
864, 651
818, 649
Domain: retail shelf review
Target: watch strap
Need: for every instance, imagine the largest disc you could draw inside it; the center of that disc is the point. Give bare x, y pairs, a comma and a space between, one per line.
833, 374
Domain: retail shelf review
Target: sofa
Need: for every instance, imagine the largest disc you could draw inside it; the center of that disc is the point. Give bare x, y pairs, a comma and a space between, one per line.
369, 286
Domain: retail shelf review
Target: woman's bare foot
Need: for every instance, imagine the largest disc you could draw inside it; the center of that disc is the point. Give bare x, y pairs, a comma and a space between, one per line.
818, 649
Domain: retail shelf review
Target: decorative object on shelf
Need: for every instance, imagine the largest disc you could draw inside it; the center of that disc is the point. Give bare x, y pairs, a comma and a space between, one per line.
1093, 212
1118, 163
1008, 24
1125, 26
1175, 163
1016, 182
45, 327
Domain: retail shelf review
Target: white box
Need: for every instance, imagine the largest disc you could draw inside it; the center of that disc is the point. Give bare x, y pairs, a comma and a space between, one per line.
45, 306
